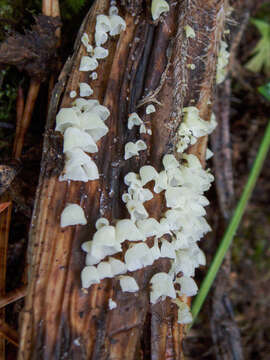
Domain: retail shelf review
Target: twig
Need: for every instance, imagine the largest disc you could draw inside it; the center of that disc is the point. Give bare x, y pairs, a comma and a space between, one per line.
13, 296
19, 116
8, 333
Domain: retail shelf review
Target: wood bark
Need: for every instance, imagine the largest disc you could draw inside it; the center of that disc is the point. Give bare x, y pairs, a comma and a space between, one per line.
147, 64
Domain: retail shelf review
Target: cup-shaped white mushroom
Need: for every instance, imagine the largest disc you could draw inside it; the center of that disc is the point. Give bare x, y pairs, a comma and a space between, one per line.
118, 24
85, 105
89, 276
170, 162
91, 123
103, 23
158, 7
85, 90
188, 286
177, 197
161, 286
105, 243
79, 167
142, 129
148, 173
190, 33
72, 214
136, 210
117, 266
149, 227
167, 250
209, 154
128, 284
85, 39
134, 120
175, 177
104, 270
76, 138
113, 10
138, 256
102, 111
184, 262
102, 222
88, 64
65, 118
150, 109
127, 230
161, 182
100, 37
100, 52
130, 150
93, 260
132, 178
138, 193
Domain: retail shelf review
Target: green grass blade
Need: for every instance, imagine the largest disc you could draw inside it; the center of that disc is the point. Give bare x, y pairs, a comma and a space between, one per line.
231, 229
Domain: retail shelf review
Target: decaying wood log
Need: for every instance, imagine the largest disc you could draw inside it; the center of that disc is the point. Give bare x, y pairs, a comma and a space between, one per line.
147, 63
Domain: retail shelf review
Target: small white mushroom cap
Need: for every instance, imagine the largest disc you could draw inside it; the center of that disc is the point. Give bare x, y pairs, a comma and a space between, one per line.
102, 111
117, 266
188, 286
104, 240
142, 129
101, 222
136, 210
167, 250
130, 150
161, 182
184, 263
104, 270
128, 284
93, 75
162, 285
100, 52
100, 37
177, 197
118, 24
79, 167
103, 23
88, 63
85, 104
138, 193
112, 304
85, 89
149, 227
150, 109
76, 138
169, 162
92, 260
190, 33
113, 10
147, 174
89, 49
134, 120
85, 39
89, 276
127, 230
141, 145
138, 256
72, 94
132, 178
91, 122
158, 7
72, 215
65, 118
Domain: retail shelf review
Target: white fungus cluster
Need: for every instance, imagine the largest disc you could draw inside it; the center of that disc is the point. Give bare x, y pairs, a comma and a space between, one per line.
222, 62
183, 184
193, 127
83, 124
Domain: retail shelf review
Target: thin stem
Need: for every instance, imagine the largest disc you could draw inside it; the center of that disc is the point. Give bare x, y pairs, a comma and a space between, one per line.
230, 232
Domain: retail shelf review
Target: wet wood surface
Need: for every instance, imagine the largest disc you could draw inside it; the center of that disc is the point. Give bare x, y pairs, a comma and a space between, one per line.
147, 64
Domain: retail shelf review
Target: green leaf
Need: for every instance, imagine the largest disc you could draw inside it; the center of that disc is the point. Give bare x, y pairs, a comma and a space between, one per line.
260, 61
265, 91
